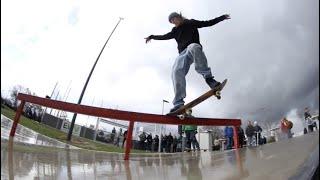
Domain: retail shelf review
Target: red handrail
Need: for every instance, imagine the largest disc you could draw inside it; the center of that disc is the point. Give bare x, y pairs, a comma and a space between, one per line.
118, 114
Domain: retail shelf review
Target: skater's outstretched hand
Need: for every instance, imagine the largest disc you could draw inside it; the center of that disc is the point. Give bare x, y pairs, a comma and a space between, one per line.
227, 16
148, 39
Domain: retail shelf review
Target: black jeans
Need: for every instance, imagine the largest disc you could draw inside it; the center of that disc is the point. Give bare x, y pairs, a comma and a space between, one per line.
191, 139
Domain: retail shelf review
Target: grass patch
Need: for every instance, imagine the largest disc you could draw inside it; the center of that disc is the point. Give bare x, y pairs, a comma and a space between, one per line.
62, 136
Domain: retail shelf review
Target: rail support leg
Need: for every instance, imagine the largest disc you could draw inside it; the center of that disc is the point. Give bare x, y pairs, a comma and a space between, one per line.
16, 119
129, 141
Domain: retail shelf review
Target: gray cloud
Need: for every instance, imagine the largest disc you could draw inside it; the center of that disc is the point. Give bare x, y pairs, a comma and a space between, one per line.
269, 55
269, 51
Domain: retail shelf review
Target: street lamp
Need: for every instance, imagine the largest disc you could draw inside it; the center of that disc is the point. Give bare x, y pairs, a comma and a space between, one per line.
87, 81
163, 101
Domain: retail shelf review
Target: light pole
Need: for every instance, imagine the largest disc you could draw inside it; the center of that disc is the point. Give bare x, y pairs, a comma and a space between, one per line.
163, 101
85, 85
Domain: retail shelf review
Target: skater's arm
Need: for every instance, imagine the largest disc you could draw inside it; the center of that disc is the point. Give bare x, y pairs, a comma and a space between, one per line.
200, 24
169, 35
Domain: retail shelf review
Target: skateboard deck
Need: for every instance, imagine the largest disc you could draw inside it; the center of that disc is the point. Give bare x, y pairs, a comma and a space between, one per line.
216, 92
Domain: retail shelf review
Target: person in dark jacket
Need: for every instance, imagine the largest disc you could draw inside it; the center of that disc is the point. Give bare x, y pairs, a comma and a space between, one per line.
249, 133
124, 137
113, 134
228, 132
241, 136
142, 140
163, 143
174, 144
149, 142
190, 50
156, 143
257, 132
169, 142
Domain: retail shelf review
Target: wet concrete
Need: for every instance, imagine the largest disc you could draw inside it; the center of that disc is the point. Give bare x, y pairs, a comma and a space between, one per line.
28, 136
287, 159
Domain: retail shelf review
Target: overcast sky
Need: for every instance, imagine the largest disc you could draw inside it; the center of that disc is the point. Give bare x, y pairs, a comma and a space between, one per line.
268, 50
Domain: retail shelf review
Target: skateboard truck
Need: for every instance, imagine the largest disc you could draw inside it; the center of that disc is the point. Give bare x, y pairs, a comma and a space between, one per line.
182, 111
218, 94
187, 113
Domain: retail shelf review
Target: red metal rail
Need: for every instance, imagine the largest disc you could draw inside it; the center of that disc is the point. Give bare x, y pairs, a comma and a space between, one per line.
121, 115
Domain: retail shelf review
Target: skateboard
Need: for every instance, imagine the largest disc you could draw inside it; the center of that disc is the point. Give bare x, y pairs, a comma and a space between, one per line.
182, 111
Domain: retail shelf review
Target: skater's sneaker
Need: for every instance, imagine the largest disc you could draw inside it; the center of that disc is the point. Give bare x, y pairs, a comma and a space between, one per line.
175, 108
213, 84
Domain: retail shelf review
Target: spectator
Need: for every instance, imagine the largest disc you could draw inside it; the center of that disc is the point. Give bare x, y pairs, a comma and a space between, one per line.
228, 132
156, 143
124, 137
163, 143
142, 139
191, 132
169, 143
149, 142
180, 130
180, 143
174, 144
249, 133
118, 137
285, 127
113, 134
241, 136
257, 133
308, 119
306, 113
216, 144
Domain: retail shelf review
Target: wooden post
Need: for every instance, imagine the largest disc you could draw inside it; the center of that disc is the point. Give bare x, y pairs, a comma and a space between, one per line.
129, 140
16, 119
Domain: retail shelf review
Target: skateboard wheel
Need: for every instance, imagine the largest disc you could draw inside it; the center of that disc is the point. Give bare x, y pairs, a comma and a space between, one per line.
219, 97
218, 93
181, 117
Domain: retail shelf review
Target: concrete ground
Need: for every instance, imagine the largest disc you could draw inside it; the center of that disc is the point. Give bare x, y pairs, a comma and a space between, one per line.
295, 158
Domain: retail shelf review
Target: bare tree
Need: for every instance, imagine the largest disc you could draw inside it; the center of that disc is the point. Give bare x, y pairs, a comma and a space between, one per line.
15, 91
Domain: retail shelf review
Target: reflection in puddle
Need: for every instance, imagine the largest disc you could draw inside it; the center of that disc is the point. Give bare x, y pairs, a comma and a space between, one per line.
28, 136
68, 163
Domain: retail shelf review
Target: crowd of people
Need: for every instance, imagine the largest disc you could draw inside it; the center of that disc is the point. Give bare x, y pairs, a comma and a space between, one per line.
169, 143
186, 139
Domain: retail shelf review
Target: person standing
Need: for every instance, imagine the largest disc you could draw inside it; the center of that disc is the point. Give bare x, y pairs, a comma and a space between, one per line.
308, 119
190, 131
285, 127
142, 139
257, 133
249, 133
175, 144
124, 137
241, 136
169, 143
113, 134
156, 143
149, 142
228, 132
186, 34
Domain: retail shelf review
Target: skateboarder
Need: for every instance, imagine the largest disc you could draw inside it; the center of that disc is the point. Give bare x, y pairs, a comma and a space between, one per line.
190, 50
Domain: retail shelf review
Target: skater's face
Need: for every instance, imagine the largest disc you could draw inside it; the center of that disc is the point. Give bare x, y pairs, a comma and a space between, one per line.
177, 21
